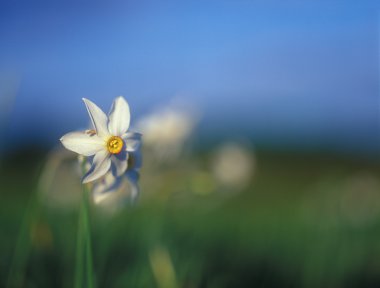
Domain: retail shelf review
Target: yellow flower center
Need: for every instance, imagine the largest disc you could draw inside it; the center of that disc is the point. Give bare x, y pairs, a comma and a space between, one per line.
115, 144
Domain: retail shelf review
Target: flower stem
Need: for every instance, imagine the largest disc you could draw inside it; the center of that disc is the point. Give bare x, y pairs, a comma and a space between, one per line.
79, 254
84, 263
86, 222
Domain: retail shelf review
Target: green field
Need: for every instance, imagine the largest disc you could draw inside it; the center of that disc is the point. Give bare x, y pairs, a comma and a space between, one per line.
303, 220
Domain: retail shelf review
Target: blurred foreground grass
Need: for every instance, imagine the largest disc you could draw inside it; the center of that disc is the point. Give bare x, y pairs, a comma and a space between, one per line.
303, 221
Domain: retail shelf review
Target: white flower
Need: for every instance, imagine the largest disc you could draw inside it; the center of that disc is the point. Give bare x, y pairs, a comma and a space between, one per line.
109, 144
233, 165
166, 131
111, 191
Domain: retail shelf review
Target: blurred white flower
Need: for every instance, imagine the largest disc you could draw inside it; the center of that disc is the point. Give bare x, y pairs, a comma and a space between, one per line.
109, 143
166, 131
112, 190
233, 166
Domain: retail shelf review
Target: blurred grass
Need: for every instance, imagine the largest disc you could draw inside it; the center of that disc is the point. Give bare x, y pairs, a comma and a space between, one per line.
306, 220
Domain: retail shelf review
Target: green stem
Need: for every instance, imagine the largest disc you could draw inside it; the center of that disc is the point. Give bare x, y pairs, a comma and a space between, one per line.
87, 226
84, 262
80, 252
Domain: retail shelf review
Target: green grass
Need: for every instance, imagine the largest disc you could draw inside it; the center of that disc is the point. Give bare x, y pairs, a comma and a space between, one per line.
304, 221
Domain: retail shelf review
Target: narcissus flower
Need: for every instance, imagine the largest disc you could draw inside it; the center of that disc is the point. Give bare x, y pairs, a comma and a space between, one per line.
167, 130
109, 144
112, 190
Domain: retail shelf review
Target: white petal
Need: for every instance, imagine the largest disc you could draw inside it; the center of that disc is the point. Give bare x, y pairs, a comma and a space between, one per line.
82, 143
100, 197
108, 184
98, 118
100, 166
135, 192
132, 145
133, 135
132, 141
133, 177
120, 163
119, 117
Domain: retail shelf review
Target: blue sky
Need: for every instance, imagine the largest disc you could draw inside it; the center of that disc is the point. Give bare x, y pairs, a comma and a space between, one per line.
302, 74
